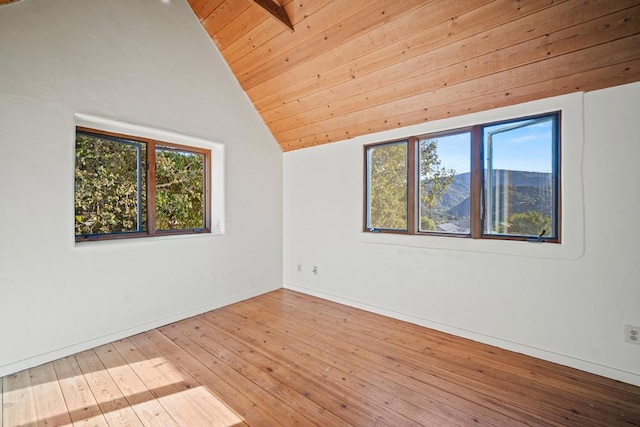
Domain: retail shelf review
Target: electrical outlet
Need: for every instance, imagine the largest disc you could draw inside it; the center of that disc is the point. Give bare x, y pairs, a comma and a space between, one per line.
632, 334
299, 267
315, 269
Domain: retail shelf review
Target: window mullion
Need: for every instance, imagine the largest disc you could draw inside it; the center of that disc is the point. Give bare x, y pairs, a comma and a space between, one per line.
477, 177
412, 194
151, 188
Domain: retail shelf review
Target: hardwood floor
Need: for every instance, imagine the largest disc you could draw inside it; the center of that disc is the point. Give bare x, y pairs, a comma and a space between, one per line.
286, 358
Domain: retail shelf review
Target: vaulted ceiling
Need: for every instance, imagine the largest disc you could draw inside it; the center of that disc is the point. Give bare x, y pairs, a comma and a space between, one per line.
353, 67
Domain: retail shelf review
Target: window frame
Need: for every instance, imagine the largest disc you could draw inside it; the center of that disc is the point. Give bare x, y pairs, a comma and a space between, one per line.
150, 165
477, 207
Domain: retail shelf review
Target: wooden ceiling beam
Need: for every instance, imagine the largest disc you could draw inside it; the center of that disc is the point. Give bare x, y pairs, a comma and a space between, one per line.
277, 11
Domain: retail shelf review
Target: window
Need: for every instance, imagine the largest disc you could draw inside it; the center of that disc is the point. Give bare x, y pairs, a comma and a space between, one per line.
134, 187
497, 180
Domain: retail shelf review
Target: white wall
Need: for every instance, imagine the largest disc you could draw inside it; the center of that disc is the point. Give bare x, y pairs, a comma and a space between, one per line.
566, 303
148, 63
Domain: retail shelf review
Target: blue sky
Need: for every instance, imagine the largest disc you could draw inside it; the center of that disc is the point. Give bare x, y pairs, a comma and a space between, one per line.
526, 149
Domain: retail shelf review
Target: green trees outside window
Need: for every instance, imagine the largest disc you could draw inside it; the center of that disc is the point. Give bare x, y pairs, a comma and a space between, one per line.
133, 187
498, 180
179, 189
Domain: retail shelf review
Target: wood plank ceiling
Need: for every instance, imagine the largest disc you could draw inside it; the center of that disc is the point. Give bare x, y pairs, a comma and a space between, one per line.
353, 67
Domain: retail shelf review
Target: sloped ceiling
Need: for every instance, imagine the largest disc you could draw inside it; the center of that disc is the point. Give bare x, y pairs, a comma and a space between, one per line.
353, 67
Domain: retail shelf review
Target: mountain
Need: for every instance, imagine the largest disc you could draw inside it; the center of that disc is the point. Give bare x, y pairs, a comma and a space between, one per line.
458, 191
525, 191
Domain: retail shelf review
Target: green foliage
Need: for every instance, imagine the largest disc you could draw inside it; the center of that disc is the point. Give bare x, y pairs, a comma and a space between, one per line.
434, 182
427, 224
530, 223
179, 190
106, 186
388, 184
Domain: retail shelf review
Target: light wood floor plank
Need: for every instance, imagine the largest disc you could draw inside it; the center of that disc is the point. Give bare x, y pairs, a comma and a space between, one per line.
259, 372
82, 406
142, 401
51, 408
19, 408
369, 396
216, 411
286, 358
186, 401
111, 401
582, 410
438, 340
244, 358
397, 397
438, 391
207, 371
417, 367
585, 391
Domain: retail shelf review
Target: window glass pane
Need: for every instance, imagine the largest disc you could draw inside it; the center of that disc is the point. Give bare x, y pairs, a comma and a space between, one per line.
110, 184
387, 186
445, 183
520, 178
179, 189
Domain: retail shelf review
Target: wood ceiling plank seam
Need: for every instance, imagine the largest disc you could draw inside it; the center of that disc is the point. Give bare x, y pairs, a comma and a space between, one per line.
591, 80
223, 15
396, 74
255, 37
405, 25
328, 93
466, 25
240, 25
617, 25
311, 26
339, 33
297, 11
300, 9
625, 73
497, 36
203, 8
616, 52
499, 69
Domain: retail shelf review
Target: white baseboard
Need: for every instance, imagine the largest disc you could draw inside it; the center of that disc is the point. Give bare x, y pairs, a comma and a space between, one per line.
561, 359
124, 333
